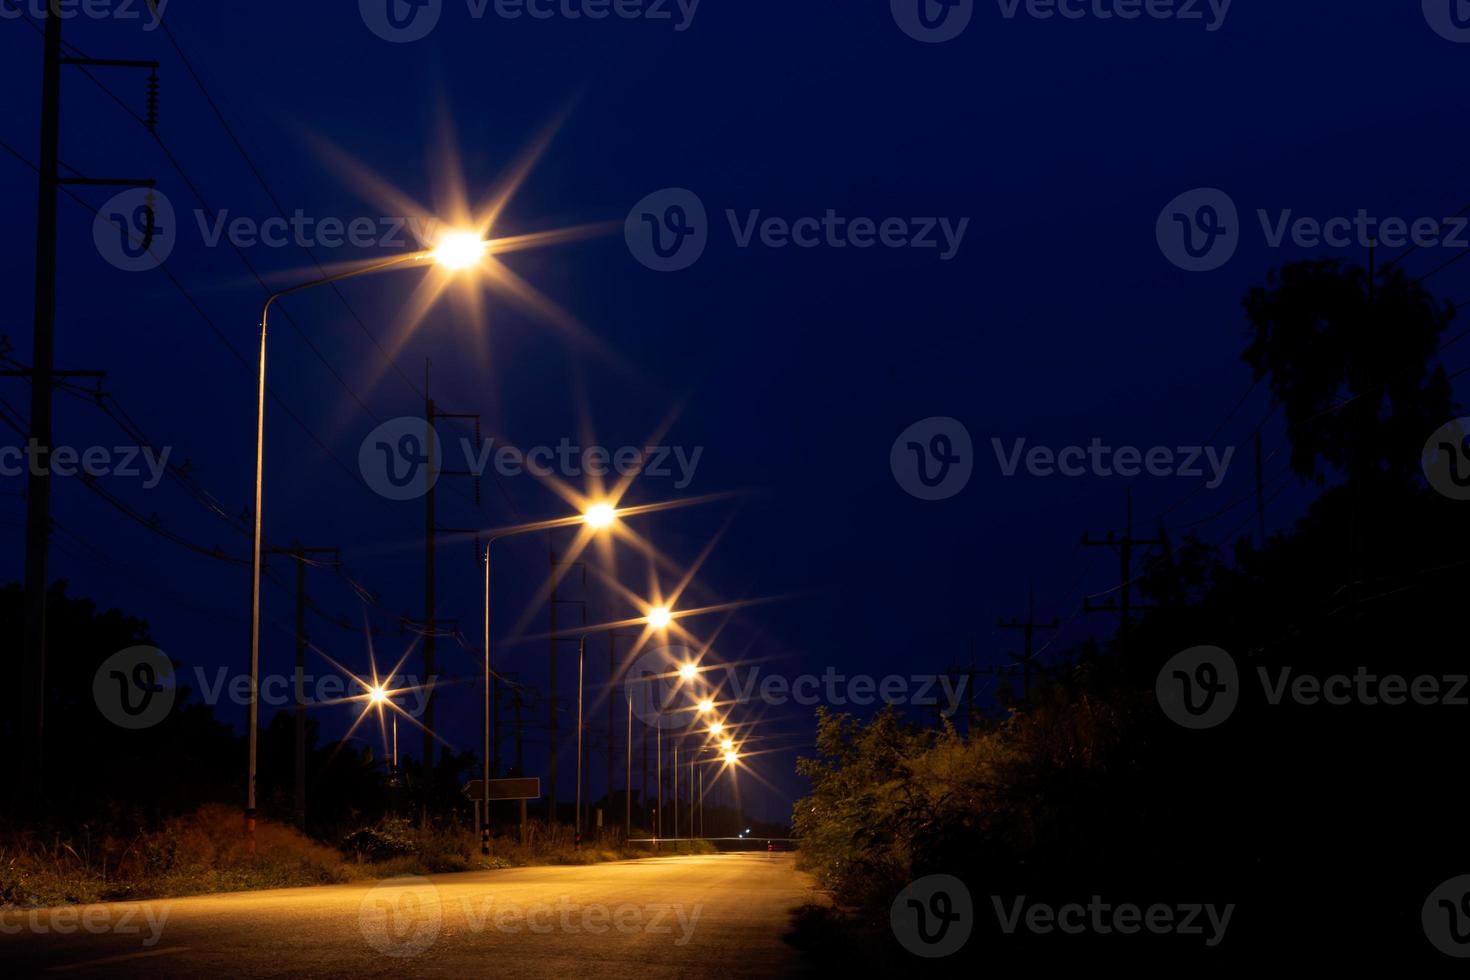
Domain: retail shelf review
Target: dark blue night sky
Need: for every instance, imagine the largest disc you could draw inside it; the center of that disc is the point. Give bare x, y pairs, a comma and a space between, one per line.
1058, 319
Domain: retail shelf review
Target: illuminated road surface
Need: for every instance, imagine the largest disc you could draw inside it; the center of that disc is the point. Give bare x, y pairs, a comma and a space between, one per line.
708, 916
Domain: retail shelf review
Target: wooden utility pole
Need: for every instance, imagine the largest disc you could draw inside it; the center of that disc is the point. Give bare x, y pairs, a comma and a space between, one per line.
431, 531
1028, 631
553, 728
1123, 606
299, 555
32, 693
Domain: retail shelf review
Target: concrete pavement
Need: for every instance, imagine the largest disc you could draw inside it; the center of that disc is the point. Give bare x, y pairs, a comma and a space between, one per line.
718, 915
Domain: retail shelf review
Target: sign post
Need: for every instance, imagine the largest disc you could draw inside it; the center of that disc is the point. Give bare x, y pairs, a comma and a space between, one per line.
503, 789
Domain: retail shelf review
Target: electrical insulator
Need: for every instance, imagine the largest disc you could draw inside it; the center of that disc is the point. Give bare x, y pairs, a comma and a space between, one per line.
153, 102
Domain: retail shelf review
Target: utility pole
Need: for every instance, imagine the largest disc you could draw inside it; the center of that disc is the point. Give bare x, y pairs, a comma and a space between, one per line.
581, 672
431, 529
1123, 606
1028, 631
613, 676
32, 694
1260, 494
300, 555
969, 674
552, 727
628, 779
516, 704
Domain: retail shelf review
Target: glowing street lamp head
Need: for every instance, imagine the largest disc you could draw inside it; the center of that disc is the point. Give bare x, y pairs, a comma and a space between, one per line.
727, 744
688, 672
706, 706
732, 757
658, 618
715, 727
459, 250
600, 515
377, 695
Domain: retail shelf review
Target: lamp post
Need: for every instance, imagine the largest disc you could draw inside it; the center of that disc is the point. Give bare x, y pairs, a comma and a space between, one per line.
597, 517
379, 696
581, 664
460, 250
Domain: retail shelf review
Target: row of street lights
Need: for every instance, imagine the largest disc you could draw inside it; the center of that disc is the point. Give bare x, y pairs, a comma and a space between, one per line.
455, 252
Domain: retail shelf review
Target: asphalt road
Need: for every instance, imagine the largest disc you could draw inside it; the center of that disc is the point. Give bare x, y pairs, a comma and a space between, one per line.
706, 916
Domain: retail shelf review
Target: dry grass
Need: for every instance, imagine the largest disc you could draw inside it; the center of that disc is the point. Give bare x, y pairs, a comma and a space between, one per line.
206, 852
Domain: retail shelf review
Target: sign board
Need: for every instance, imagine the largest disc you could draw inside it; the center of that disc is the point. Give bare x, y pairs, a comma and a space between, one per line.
505, 789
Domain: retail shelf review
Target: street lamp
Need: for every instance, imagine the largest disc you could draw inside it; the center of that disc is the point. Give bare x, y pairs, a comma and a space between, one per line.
659, 617
706, 706
452, 253
598, 516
